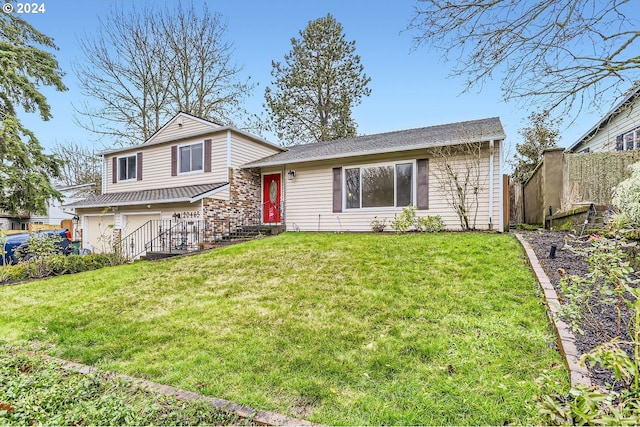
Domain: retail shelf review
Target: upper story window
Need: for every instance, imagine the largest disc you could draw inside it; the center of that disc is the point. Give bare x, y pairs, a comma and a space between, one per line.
378, 186
127, 168
191, 158
629, 140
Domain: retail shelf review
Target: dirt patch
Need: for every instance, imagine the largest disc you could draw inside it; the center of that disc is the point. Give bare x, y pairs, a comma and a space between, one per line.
568, 262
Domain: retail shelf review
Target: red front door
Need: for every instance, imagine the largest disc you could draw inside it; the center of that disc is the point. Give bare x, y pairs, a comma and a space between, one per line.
271, 192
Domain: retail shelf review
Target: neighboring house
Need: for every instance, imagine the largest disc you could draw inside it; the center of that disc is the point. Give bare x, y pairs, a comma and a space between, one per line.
55, 213
14, 222
618, 130
197, 177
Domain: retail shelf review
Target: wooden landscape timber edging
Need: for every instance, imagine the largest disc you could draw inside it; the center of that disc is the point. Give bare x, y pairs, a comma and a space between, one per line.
566, 340
260, 417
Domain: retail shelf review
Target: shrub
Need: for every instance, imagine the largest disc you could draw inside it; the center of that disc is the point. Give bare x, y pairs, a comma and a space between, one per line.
409, 220
626, 195
430, 224
378, 226
57, 265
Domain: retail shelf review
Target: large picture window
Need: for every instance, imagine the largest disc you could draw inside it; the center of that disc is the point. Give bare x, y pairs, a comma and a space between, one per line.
191, 158
127, 168
379, 186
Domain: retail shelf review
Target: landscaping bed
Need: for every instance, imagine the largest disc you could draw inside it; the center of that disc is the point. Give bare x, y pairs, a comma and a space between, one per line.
566, 262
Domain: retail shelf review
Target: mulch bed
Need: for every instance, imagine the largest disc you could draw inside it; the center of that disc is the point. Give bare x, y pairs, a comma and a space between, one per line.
568, 262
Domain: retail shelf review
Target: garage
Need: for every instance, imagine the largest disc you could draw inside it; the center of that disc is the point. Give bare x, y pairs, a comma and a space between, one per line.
143, 231
98, 232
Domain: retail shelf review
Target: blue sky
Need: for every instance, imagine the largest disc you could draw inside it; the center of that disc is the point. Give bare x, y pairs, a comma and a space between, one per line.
410, 87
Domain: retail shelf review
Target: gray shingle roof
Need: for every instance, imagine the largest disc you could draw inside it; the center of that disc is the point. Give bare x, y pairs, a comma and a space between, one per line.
187, 193
427, 137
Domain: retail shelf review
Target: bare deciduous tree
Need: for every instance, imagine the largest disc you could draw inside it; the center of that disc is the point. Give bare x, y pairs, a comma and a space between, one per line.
78, 165
458, 171
562, 53
143, 66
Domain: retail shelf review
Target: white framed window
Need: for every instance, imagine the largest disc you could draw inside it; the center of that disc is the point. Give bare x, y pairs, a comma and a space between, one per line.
191, 158
628, 140
379, 186
127, 168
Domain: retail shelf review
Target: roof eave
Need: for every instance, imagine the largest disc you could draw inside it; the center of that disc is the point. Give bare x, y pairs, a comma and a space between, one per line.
208, 193
605, 120
259, 164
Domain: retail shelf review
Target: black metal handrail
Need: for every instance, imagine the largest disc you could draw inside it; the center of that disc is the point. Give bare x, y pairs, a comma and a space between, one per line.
178, 235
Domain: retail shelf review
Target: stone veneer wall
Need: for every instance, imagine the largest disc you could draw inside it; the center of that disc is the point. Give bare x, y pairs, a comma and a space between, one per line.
244, 197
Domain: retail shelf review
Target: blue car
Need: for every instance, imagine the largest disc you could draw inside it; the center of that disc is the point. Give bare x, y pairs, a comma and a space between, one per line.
17, 246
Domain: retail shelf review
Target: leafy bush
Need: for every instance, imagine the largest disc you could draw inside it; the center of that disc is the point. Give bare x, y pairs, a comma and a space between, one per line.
626, 195
409, 220
430, 224
378, 226
56, 265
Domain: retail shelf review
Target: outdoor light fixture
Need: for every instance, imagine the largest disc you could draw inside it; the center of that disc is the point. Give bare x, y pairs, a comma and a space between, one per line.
291, 174
552, 253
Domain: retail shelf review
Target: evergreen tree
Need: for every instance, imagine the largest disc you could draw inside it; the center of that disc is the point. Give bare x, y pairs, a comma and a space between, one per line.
26, 172
541, 135
317, 86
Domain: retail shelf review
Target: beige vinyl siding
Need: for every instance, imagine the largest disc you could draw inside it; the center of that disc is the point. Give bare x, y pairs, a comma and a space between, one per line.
309, 196
191, 127
244, 150
156, 167
605, 139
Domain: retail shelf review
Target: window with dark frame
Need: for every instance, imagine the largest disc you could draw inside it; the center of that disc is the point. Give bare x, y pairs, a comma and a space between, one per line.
127, 168
388, 185
191, 158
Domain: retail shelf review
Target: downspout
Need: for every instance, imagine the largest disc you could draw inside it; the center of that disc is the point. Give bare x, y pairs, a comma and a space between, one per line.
501, 225
104, 174
491, 155
228, 154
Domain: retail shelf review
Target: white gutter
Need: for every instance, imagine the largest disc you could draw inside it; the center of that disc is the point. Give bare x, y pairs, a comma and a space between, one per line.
491, 155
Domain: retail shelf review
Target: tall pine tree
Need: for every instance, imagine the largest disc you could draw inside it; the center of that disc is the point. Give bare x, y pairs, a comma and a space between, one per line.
26, 172
316, 87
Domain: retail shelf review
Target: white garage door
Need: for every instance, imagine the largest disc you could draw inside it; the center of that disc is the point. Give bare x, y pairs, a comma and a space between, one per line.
98, 233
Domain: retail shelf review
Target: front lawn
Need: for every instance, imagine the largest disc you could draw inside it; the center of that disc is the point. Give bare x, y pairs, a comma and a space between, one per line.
339, 329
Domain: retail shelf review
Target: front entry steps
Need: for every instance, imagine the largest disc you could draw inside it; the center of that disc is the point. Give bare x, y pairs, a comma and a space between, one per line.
242, 234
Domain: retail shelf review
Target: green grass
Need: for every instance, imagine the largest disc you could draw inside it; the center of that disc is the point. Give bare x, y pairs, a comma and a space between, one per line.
336, 328
34, 391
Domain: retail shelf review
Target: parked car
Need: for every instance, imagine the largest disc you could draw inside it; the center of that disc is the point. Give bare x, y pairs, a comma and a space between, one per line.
17, 246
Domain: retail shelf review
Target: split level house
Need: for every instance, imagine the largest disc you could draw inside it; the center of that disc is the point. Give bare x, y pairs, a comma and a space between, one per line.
195, 181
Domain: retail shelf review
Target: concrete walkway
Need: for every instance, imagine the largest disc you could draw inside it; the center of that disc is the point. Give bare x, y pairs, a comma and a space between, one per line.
566, 340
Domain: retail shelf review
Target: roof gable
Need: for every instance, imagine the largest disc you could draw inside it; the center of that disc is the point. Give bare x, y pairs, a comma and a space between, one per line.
624, 105
185, 125
410, 139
